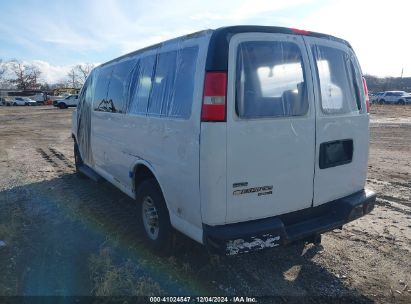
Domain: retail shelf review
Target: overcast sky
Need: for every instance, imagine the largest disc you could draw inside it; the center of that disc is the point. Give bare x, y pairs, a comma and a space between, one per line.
58, 34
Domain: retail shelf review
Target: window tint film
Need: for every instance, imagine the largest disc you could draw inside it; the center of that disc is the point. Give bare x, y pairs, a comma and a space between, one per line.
142, 83
100, 98
118, 88
339, 82
270, 80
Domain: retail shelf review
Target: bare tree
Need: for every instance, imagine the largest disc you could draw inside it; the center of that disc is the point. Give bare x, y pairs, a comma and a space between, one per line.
73, 78
85, 70
3, 71
78, 74
3, 68
27, 76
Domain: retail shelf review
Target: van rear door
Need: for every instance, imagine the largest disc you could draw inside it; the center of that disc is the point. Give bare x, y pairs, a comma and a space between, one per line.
270, 126
342, 132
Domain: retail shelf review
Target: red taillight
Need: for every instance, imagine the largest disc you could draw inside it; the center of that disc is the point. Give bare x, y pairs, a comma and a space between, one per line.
300, 32
367, 98
214, 98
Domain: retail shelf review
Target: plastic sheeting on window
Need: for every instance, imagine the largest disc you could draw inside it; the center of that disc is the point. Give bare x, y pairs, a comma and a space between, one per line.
84, 108
339, 82
270, 80
118, 90
141, 83
102, 80
164, 84
158, 82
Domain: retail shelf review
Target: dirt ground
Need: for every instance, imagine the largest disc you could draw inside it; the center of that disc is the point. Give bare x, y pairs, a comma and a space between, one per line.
69, 236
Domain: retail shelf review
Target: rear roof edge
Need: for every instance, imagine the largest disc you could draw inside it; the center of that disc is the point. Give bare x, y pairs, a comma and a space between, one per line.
217, 58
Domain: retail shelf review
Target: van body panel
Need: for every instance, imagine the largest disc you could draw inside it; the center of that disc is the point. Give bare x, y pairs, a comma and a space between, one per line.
213, 173
342, 179
276, 153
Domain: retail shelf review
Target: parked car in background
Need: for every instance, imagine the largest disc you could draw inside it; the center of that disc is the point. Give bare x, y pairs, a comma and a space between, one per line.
56, 98
375, 96
394, 97
40, 98
2, 101
69, 101
23, 101
7, 101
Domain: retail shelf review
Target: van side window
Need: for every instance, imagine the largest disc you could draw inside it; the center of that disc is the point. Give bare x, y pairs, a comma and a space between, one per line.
173, 83
180, 105
100, 98
338, 85
163, 83
270, 80
118, 88
142, 83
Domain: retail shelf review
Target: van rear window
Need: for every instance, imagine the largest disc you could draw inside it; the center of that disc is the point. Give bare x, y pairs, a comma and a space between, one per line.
340, 88
270, 80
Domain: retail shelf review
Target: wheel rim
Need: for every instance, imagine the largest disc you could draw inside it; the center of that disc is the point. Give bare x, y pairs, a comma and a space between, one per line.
150, 218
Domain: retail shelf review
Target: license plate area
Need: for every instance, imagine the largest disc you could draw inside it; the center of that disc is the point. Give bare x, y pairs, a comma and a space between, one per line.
244, 245
336, 153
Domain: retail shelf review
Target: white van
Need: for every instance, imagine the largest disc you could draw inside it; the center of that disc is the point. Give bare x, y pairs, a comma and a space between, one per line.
241, 138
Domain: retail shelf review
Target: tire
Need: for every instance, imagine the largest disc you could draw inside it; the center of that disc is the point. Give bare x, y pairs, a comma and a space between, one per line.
62, 106
401, 102
15, 104
154, 219
78, 161
382, 101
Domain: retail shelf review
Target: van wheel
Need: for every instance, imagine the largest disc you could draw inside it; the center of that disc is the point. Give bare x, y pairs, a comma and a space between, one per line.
382, 101
78, 161
62, 106
154, 218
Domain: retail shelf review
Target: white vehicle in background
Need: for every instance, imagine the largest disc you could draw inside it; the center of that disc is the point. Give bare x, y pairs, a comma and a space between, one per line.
242, 138
24, 101
394, 97
374, 97
40, 98
68, 101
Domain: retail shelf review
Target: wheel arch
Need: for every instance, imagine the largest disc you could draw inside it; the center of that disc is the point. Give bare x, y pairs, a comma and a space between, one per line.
142, 171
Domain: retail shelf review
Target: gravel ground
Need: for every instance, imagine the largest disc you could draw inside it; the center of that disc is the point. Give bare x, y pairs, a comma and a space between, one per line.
56, 225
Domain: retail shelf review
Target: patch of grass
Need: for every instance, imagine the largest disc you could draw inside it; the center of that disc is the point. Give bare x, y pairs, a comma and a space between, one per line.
124, 279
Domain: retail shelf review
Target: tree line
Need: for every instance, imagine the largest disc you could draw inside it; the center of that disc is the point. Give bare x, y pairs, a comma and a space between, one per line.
16, 74
377, 84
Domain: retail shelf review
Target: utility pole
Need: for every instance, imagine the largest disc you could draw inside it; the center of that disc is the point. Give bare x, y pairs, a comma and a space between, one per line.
402, 72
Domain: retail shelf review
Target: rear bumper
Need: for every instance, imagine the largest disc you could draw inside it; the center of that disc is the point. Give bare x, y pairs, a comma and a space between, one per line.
287, 228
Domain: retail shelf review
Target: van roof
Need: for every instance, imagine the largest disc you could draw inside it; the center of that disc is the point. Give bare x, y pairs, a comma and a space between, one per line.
217, 58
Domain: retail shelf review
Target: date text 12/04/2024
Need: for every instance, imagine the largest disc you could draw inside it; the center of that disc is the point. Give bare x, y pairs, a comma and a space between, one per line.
234, 299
